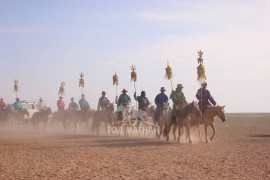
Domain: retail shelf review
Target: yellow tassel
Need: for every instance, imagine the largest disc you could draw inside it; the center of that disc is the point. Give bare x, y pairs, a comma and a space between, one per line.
169, 73
81, 81
133, 73
201, 76
16, 86
115, 79
62, 89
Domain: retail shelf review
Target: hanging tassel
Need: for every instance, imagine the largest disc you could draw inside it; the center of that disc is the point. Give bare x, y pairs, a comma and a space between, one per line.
62, 89
133, 73
115, 79
200, 69
169, 73
201, 76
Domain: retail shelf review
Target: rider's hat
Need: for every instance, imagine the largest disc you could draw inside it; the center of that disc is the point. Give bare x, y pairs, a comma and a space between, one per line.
180, 86
103, 92
162, 89
124, 90
17, 98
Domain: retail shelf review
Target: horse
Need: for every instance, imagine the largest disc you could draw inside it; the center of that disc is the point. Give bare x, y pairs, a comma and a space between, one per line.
85, 119
4, 116
209, 118
105, 115
71, 117
182, 120
58, 116
41, 116
164, 114
125, 120
19, 116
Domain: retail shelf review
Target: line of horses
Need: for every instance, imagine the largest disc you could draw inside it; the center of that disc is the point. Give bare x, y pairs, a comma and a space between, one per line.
91, 120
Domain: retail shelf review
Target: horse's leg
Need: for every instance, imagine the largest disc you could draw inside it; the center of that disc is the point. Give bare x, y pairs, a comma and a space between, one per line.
199, 133
214, 131
168, 131
179, 132
174, 131
205, 128
188, 131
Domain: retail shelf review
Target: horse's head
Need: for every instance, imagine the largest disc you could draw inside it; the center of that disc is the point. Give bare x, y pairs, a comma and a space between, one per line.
221, 113
49, 110
110, 107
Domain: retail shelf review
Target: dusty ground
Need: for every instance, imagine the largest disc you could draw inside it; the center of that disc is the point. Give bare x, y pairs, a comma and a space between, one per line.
240, 150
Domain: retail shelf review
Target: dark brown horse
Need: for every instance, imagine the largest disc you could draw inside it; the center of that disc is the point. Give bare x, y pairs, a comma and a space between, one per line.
105, 116
4, 116
41, 116
57, 117
18, 116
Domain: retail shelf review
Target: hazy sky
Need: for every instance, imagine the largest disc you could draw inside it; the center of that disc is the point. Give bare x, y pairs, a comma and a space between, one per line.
43, 43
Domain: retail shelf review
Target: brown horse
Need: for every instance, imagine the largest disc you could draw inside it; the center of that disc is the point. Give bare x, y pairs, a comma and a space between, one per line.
76, 118
105, 116
19, 116
4, 116
182, 120
209, 118
41, 116
86, 116
58, 117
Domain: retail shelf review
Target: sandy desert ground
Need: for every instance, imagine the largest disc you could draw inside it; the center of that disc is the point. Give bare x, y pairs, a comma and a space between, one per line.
240, 150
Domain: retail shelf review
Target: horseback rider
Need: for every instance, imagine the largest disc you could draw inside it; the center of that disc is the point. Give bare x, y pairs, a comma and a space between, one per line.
61, 104
84, 105
2, 104
161, 100
179, 101
103, 101
143, 104
204, 97
41, 105
123, 101
73, 106
18, 105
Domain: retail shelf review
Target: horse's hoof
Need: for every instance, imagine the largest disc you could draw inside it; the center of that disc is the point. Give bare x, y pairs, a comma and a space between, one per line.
211, 139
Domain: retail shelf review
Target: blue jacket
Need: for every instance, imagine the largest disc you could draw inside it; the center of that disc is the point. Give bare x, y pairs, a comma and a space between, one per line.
161, 99
18, 105
123, 99
84, 105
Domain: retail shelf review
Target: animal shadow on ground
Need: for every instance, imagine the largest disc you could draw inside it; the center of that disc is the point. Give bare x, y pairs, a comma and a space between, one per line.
261, 135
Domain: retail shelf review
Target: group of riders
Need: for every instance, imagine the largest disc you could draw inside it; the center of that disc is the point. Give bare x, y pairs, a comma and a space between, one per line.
161, 100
